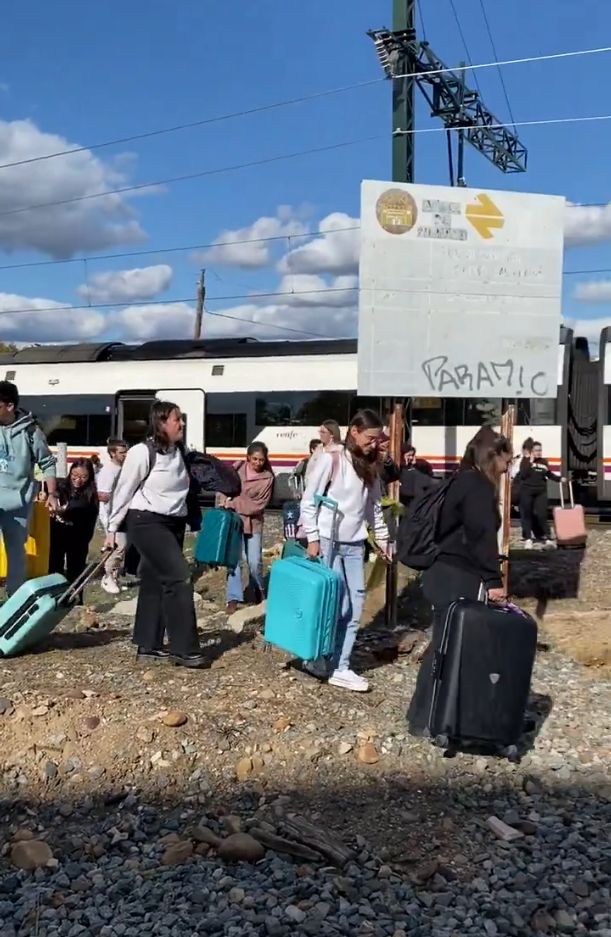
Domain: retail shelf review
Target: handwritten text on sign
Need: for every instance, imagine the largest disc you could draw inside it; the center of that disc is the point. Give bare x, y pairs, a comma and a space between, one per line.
486, 376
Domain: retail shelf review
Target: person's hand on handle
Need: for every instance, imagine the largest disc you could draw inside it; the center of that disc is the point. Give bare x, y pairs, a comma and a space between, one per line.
110, 542
314, 549
53, 504
497, 595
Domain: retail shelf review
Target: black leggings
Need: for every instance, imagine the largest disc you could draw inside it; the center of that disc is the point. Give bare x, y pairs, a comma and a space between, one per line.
533, 514
68, 551
442, 584
165, 600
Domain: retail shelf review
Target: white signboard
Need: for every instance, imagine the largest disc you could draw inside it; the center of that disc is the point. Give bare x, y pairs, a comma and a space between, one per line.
460, 292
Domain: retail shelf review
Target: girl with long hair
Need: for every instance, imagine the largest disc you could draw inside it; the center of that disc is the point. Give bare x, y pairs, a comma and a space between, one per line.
468, 564
349, 477
150, 502
257, 478
73, 523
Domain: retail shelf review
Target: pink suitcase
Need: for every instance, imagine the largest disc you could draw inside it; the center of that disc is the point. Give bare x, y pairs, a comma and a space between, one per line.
569, 522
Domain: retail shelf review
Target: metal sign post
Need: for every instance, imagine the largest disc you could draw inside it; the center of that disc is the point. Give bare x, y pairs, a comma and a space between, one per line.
507, 424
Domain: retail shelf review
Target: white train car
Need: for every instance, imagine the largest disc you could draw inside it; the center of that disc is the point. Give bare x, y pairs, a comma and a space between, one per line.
235, 391
604, 418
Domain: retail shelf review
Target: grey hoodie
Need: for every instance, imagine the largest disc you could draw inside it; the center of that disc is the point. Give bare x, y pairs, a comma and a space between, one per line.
22, 446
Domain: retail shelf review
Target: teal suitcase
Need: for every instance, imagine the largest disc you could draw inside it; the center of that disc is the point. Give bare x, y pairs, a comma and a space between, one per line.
219, 542
303, 602
37, 607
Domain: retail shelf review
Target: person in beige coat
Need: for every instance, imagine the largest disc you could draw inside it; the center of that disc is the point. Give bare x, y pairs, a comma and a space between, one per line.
257, 480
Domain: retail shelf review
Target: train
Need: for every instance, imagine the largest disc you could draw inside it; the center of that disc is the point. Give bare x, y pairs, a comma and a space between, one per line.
234, 391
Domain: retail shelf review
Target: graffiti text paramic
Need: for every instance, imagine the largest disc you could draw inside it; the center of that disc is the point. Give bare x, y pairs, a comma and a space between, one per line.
500, 377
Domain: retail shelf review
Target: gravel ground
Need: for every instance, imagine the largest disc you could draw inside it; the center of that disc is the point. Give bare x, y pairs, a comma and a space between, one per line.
135, 792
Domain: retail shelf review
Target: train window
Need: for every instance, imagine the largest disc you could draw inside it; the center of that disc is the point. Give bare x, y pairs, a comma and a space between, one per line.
134, 418
226, 430
480, 411
303, 408
77, 421
536, 411
427, 411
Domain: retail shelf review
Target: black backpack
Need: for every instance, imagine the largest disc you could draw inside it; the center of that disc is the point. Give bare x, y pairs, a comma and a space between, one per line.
208, 473
417, 545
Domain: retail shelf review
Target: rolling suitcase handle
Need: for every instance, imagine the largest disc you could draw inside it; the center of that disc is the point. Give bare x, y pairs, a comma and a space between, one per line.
571, 498
324, 501
81, 581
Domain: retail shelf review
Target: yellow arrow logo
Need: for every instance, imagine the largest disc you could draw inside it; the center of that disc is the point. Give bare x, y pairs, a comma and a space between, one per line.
484, 216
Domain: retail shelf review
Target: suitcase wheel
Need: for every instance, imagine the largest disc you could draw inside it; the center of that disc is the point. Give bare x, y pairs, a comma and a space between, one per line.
441, 741
512, 754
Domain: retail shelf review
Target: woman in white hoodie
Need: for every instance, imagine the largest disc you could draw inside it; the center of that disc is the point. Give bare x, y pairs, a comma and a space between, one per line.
349, 477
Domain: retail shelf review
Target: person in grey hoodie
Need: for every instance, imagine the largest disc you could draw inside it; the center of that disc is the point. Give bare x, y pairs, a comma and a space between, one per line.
23, 446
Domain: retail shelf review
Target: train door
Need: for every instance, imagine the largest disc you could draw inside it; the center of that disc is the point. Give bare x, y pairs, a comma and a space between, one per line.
192, 404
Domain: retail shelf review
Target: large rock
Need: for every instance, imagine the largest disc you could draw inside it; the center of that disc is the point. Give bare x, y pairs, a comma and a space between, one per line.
241, 847
177, 853
30, 854
249, 615
127, 607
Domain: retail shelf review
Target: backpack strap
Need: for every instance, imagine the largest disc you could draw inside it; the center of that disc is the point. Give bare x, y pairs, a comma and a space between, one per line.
335, 460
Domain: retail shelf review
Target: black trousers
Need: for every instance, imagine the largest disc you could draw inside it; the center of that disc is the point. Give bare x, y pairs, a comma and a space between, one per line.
68, 551
165, 600
442, 584
533, 514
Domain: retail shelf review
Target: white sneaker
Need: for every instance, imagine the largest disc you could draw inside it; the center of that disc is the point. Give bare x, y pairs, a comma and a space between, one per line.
111, 586
549, 545
348, 680
528, 545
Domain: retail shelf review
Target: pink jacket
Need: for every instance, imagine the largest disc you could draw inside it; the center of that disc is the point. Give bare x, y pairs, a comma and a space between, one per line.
253, 499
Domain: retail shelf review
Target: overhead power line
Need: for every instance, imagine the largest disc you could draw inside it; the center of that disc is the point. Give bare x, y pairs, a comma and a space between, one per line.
282, 157
494, 52
192, 175
233, 115
288, 294
463, 39
526, 60
184, 248
517, 123
253, 297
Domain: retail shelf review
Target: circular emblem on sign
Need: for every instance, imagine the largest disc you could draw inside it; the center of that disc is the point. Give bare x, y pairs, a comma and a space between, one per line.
396, 211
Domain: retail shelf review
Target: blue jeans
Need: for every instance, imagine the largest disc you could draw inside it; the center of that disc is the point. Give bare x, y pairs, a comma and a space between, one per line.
253, 557
14, 528
348, 560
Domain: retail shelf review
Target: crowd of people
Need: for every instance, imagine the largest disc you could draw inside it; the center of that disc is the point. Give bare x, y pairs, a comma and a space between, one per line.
141, 498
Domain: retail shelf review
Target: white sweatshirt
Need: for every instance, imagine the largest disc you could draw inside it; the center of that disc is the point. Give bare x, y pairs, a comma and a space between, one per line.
163, 492
358, 505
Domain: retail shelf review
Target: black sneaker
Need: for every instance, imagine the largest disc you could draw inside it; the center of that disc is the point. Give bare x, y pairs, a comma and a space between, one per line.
189, 660
157, 655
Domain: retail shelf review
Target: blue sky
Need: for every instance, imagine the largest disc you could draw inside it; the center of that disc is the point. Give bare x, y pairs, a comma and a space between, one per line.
77, 75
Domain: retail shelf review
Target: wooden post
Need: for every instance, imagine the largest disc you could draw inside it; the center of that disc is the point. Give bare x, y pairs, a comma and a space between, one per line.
199, 306
507, 424
397, 423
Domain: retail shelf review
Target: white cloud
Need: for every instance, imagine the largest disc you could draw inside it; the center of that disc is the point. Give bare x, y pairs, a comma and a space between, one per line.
334, 251
246, 247
143, 323
61, 230
175, 320
587, 224
597, 291
126, 286
78, 325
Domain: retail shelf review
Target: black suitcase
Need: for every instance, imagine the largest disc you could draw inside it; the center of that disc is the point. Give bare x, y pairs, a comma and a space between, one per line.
481, 676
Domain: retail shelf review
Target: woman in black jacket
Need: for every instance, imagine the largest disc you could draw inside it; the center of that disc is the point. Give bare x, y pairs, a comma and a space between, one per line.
73, 525
467, 565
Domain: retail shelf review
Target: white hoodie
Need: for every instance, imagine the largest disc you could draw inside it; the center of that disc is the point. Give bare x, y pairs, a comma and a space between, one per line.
358, 505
